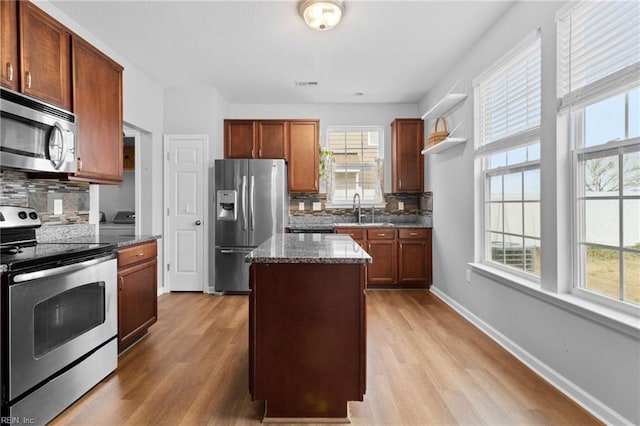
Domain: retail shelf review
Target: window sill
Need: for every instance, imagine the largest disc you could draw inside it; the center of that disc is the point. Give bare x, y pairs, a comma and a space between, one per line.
622, 322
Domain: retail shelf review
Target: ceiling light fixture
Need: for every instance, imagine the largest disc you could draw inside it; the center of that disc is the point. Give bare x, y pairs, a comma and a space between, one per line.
322, 15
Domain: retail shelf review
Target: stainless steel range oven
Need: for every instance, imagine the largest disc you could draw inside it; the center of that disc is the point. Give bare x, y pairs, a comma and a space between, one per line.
58, 321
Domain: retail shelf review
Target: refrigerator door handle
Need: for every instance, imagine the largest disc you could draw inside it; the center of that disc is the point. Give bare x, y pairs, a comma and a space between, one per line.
244, 202
252, 202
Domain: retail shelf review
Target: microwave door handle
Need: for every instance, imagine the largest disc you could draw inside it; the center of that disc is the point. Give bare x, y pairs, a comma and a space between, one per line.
244, 202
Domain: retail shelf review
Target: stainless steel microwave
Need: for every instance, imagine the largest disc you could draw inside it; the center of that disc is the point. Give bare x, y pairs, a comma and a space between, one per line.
36, 136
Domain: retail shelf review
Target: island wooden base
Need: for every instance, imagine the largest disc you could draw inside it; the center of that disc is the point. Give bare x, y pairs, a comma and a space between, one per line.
307, 339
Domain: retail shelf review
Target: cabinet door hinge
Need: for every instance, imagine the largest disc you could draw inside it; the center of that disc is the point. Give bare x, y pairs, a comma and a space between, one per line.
168, 266
167, 211
168, 156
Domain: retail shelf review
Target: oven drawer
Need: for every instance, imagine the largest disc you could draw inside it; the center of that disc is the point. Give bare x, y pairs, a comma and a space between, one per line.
138, 253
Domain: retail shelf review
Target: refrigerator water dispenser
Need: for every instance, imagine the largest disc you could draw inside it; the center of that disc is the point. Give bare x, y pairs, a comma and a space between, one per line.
227, 205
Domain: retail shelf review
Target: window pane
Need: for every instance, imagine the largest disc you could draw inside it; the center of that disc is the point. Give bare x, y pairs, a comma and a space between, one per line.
631, 224
532, 256
631, 173
602, 271
518, 155
532, 184
513, 186
497, 248
632, 278
634, 113
533, 152
514, 252
532, 219
601, 176
513, 218
602, 222
495, 217
495, 188
604, 121
498, 160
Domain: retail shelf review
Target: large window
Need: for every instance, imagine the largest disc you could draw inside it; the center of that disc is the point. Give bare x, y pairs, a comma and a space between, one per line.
356, 165
507, 127
599, 87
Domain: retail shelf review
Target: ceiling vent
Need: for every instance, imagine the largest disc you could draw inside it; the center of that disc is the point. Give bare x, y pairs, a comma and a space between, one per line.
306, 83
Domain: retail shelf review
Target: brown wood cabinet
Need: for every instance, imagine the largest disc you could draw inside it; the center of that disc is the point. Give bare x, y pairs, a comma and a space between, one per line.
296, 141
255, 139
414, 256
97, 100
137, 292
9, 53
407, 172
381, 246
45, 61
401, 256
304, 145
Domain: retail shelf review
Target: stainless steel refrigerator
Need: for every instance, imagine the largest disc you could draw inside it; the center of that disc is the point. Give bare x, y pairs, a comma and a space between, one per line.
250, 204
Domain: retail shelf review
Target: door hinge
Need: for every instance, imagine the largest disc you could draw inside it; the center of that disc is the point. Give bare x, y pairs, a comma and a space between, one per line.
168, 156
168, 266
167, 211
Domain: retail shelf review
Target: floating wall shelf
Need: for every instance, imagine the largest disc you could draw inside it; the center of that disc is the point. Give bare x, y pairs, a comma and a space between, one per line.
444, 145
446, 104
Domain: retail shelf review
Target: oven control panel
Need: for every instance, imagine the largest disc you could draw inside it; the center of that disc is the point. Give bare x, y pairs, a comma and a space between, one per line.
19, 217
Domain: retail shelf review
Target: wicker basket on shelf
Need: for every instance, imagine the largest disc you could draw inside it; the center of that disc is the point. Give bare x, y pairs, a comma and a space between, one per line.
438, 135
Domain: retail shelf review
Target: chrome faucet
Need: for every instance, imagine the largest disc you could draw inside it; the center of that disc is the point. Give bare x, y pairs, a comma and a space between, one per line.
356, 195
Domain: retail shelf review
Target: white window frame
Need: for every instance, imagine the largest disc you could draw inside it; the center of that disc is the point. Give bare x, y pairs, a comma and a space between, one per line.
571, 104
483, 152
364, 203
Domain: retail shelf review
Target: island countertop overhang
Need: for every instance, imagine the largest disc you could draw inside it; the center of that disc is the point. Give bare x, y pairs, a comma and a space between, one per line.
309, 248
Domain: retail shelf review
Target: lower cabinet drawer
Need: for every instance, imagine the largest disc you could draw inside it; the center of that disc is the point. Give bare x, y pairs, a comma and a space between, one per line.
413, 233
137, 253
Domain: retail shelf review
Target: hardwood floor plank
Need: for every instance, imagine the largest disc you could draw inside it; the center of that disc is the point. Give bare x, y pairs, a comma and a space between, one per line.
425, 365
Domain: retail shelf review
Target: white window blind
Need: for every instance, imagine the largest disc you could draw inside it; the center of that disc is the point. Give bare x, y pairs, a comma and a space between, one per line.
598, 48
508, 96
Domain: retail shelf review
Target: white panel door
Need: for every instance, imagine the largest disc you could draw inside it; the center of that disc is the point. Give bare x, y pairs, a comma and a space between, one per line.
186, 181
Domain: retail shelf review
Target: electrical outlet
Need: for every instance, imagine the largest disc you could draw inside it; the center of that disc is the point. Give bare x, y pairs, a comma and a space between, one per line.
57, 206
317, 206
400, 205
468, 275
301, 205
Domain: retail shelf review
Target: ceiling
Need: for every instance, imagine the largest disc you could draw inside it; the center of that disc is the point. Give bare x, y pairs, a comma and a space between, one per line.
255, 51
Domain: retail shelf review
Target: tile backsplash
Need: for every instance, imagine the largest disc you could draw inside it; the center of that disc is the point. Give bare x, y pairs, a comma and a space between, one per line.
414, 204
43, 195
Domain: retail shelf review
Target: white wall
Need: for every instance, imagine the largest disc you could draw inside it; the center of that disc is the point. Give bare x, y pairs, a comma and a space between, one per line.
142, 109
335, 115
597, 364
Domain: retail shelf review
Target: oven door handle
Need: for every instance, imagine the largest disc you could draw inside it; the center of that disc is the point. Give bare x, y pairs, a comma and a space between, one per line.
30, 276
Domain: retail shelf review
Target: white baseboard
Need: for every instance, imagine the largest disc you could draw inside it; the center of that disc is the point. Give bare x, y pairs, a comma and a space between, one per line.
570, 389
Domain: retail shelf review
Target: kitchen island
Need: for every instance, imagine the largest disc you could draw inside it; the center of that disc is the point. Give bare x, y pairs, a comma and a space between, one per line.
307, 326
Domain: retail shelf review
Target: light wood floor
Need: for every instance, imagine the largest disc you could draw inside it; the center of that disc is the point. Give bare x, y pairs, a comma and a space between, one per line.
426, 365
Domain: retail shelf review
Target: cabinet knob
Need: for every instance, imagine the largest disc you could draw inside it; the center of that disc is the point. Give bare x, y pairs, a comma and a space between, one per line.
121, 284
413, 234
9, 71
28, 80
79, 164
140, 254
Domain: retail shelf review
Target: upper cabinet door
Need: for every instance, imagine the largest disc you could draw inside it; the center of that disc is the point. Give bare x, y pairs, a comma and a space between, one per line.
303, 156
239, 139
97, 99
272, 139
9, 68
45, 63
408, 163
